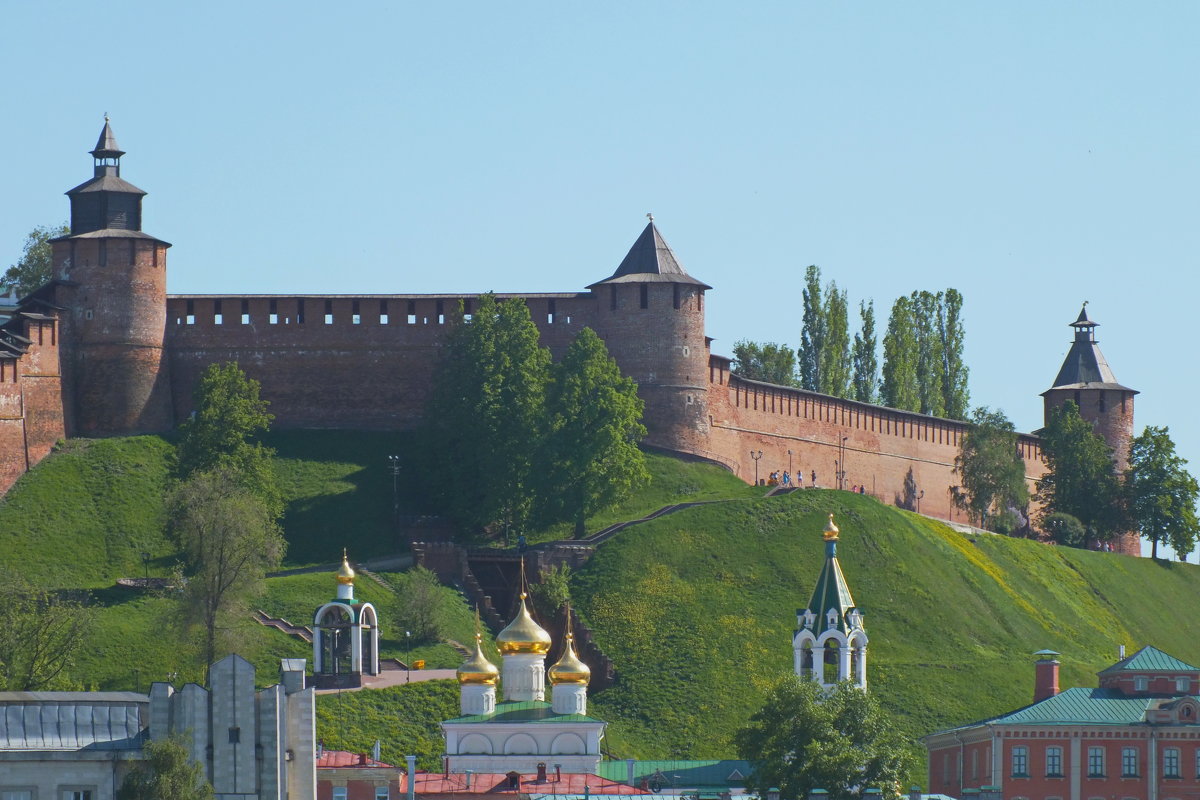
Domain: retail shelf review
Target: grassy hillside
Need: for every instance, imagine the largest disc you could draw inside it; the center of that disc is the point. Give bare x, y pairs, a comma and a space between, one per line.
698, 608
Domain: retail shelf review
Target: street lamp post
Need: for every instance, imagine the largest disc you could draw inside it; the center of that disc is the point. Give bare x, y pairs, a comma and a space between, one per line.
919, 496
394, 461
146, 565
756, 457
841, 476
789, 462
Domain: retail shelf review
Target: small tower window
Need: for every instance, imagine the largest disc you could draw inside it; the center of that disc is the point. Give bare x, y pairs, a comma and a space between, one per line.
355, 316
440, 309
103, 253
245, 312
218, 317
383, 312
1102, 404
300, 311
328, 312
273, 312
412, 312
675, 295
644, 296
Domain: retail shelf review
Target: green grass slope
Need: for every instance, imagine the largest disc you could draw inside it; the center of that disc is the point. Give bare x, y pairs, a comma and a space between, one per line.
697, 610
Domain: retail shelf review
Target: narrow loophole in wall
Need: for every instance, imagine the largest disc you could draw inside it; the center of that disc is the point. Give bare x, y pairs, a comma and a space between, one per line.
328, 312
355, 316
218, 317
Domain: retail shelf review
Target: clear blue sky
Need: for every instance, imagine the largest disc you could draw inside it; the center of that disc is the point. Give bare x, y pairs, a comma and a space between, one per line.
1031, 155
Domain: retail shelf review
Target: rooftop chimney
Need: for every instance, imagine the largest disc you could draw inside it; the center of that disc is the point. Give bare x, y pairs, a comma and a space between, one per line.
1045, 682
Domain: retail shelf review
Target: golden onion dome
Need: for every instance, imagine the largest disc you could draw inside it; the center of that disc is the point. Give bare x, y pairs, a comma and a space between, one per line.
477, 669
570, 669
831, 531
523, 635
345, 574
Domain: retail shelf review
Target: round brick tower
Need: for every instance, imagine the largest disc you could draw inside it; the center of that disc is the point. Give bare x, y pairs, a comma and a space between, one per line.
650, 313
1086, 379
112, 280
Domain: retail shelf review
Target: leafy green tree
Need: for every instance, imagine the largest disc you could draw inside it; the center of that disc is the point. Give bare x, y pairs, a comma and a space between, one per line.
899, 388
486, 416
592, 456
553, 591
40, 634
167, 771
804, 739
1080, 478
422, 609
835, 349
35, 266
229, 414
765, 361
866, 363
927, 313
812, 333
990, 469
1161, 494
957, 397
230, 540
1065, 529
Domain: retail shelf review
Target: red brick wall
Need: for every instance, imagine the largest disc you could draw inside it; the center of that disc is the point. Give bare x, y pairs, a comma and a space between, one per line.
881, 446
13, 455
42, 390
352, 371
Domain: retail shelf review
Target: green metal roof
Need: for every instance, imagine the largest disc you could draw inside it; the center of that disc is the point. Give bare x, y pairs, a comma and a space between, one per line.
1082, 707
530, 711
691, 774
831, 591
1150, 659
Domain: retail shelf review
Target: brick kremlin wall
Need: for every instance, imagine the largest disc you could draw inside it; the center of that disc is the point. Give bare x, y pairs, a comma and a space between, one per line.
881, 445
31, 406
359, 362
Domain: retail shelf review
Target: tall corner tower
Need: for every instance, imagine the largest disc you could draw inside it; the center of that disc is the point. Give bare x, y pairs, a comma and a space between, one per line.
650, 313
1086, 379
112, 279
830, 642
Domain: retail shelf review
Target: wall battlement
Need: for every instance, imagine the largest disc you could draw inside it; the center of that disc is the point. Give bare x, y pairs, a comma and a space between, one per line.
107, 351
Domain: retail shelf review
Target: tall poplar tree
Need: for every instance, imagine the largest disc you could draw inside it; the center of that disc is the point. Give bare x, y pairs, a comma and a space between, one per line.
591, 456
835, 350
957, 397
487, 414
812, 334
927, 313
899, 387
866, 362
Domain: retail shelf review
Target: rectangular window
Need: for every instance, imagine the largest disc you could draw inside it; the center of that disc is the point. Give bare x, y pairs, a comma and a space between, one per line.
16, 794
412, 312
245, 312
1183, 684
644, 296
381, 793
76, 794
1020, 762
328, 312
441, 312
383, 312
1096, 762
339, 793
1129, 762
551, 307
1171, 763
1141, 683
273, 312
103, 253
355, 317
1054, 762
218, 317
675, 298
300, 311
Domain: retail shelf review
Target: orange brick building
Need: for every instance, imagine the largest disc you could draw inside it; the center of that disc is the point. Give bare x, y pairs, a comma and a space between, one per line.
104, 350
1135, 737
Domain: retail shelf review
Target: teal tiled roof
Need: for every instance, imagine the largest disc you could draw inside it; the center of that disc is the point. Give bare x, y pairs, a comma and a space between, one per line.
690, 774
531, 711
1150, 659
1082, 707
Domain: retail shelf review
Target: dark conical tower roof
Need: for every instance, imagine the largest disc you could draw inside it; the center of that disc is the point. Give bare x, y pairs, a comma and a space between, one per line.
106, 145
650, 260
1085, 366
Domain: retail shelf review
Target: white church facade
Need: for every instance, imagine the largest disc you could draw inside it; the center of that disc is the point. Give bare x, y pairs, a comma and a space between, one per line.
524, 731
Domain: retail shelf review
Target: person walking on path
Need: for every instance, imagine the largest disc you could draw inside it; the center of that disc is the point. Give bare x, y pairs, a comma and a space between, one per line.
814, 478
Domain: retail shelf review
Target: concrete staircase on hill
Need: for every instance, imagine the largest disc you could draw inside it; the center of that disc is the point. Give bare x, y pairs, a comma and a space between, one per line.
280, 624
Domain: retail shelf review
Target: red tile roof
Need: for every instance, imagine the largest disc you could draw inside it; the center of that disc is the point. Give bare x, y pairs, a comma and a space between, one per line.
340, 758
487, 783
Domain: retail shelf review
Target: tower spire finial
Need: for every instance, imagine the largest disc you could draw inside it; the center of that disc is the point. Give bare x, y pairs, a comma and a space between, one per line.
649, 216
